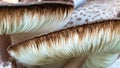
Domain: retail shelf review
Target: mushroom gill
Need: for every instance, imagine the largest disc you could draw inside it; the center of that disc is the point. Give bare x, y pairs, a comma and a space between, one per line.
26, 18
17, 18
100, 41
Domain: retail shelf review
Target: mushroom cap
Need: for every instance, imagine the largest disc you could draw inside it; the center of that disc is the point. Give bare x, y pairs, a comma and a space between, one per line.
107, 15
78, 3
90, 39
22, 18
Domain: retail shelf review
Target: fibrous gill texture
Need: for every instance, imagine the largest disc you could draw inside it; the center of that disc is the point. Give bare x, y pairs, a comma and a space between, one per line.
99, 38
21, 18
92, 11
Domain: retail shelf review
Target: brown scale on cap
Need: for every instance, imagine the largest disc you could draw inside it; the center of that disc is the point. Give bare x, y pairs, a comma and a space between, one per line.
72, 42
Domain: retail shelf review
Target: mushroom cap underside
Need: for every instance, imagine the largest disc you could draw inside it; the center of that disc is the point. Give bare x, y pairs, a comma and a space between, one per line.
96, 38
21, 18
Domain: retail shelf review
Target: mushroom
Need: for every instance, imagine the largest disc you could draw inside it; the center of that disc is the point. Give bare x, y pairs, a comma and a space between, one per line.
28, 18
99, 41
106, 8
91, 12
16, 38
